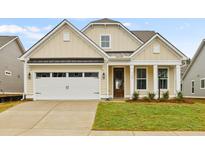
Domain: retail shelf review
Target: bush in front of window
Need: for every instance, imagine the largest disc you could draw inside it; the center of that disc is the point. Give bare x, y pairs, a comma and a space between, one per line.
151, 96
135, 96
179, 95
165, 95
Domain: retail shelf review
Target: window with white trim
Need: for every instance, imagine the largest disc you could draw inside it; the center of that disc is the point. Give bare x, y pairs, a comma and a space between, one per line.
141, 79
163, 75
8, 73
202, 83
105, 41
66, 37
192, 86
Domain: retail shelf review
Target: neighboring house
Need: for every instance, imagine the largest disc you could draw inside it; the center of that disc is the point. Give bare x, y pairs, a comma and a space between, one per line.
193, 80
104, 60
11, 69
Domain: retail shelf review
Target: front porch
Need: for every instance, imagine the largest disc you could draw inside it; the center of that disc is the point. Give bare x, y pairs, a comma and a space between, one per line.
124, 80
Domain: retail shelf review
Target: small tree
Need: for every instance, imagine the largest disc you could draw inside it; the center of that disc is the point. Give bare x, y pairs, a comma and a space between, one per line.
165, 95
151, 95
179, 95
135, 95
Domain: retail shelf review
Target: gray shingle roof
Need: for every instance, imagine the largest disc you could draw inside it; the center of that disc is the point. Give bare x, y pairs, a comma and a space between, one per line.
144, 36
5, 39
105, 20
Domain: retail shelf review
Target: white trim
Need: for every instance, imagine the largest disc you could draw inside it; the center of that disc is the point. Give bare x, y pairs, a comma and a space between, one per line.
113, 79
194, 96
146, 62
110, 42
54, 30
12, 93
135, 76
192, 87
119, 24
155, 80
132, 80
177, 79
200, 83
107, 81
165, 41
25, 77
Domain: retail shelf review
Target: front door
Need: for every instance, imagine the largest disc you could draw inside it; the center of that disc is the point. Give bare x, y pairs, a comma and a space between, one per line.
118, 82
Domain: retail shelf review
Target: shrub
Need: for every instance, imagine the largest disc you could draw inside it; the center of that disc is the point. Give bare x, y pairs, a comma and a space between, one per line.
179, 95
165, 95
135, 96
151, 96
146, 99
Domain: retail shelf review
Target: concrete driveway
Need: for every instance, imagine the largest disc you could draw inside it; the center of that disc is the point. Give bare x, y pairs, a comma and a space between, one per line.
49, 118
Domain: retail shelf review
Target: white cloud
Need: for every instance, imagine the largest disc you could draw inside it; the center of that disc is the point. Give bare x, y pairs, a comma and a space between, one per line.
127, 24
183, 26
11, 29
30, 32
49, 27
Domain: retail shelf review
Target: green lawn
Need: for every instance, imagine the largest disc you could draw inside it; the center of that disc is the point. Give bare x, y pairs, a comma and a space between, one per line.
150, 116
5, 106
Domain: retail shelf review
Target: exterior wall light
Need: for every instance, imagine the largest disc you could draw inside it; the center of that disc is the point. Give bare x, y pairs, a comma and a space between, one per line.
103, 75
29, 75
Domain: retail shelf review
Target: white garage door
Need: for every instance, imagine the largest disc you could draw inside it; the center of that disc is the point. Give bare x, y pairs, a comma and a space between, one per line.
67, 86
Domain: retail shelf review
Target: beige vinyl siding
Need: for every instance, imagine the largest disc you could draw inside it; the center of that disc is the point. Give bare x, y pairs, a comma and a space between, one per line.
64, 68
56, 47
166, 53
120, 39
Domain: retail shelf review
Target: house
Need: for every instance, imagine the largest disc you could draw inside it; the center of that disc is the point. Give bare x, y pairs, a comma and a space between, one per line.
193, 80
103, 60
11, 69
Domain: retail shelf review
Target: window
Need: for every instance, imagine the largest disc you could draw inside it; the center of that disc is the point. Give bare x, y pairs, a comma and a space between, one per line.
42, 75
192, 87
75, 74
202, 83
66, 37
163, 74
105, 41
141, 79
156, 48
8, 73
58, 75
91, 74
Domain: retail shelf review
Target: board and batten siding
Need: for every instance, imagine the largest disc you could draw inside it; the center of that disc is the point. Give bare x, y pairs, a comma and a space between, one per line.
121, 40
196, 72
56, 47
166, 52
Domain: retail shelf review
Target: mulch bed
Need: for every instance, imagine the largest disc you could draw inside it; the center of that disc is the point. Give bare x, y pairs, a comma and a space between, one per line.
8, 98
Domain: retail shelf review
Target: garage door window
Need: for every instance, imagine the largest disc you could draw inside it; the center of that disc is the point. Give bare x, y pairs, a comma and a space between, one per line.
58, 75
91, 74
42, 75
75, 74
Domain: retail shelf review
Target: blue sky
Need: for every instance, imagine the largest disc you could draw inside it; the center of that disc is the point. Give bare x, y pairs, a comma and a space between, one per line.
185, 34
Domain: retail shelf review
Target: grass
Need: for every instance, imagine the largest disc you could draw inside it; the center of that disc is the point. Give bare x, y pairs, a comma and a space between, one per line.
7, 105
150, 116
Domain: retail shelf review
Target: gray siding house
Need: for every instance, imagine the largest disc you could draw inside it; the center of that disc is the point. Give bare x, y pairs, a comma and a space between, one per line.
11, 69
193, 80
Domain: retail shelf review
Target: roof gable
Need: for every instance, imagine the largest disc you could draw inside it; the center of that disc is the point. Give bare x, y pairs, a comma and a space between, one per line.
113, 22
157, 35
199, 50
48, 35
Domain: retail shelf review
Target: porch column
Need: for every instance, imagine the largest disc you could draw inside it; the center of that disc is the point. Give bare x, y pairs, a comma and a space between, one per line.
155, 80
107, 81
178, 78
131, 80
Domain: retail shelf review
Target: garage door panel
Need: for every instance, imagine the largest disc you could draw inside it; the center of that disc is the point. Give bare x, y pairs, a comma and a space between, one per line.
66, 88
